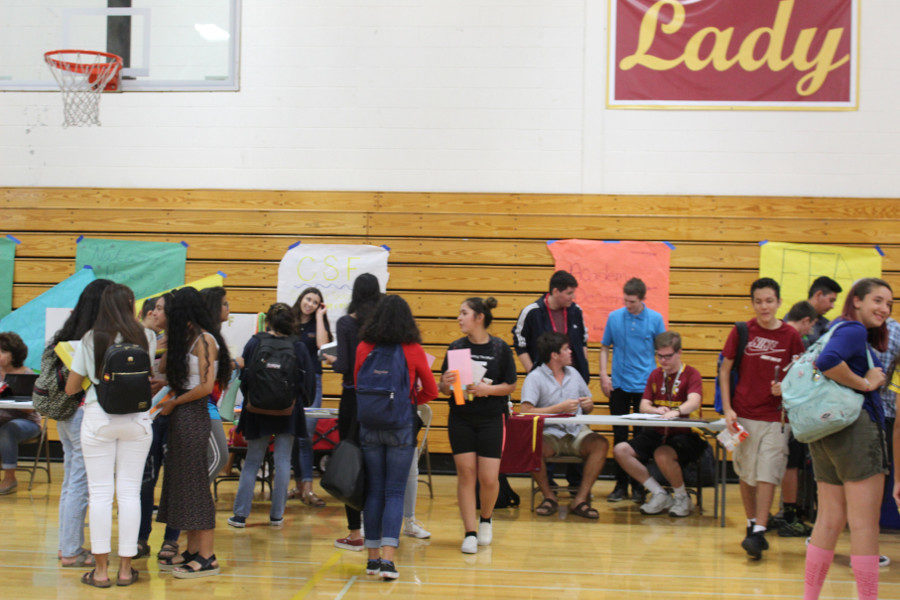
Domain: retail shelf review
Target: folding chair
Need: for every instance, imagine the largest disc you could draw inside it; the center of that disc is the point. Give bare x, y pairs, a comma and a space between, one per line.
568, 460
42, 445
425, 414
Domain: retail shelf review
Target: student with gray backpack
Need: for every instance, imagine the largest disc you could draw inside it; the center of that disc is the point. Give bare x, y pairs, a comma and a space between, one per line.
390, 368
278, 379
116, 432
850, 464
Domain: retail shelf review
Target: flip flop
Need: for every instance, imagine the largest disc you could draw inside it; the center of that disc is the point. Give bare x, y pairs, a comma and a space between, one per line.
125, 582
83, 559
88, 579
547, 507
584, 510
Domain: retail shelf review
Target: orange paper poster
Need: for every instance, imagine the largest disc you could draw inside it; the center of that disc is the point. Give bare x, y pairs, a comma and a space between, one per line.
602, 268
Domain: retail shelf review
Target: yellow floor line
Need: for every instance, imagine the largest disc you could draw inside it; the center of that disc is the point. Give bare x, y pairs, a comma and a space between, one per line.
318, 576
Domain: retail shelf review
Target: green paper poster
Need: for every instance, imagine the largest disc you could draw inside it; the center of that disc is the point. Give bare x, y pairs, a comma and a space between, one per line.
145, 267
7, 259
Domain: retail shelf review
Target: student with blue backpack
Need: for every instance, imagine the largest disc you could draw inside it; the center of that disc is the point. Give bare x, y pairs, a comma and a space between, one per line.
390, 368
850, 464
278, 375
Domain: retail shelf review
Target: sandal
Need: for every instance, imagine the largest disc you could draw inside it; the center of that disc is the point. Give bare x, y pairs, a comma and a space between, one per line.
168, 550
170, 564
310, 499
547, 507
584, 510
124, 582
83, 559
88, 579
143, 550
294, 493
205, 568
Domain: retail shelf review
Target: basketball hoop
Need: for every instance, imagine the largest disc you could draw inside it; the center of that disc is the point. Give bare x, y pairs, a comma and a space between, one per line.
82, 75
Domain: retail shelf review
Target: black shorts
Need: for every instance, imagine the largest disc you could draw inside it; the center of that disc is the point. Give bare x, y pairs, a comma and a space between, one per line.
688, 446
482, 435
796, 453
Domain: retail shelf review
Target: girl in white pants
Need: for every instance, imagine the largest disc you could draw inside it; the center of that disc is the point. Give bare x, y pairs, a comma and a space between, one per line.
115, 447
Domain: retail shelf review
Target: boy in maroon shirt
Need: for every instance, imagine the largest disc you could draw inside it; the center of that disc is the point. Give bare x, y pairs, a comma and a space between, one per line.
755, 404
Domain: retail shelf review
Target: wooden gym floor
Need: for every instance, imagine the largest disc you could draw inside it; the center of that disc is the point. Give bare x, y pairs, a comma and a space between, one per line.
623, 555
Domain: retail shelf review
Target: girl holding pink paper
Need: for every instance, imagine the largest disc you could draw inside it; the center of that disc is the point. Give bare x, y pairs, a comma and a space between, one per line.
477, 425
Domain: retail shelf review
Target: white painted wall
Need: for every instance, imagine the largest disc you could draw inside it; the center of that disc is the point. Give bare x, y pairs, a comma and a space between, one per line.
468, 95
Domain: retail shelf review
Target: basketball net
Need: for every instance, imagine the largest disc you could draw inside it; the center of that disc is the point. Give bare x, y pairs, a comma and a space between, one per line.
82, 75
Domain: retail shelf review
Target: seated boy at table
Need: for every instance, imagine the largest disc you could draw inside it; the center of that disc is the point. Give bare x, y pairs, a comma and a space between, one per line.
556, 387
673, 390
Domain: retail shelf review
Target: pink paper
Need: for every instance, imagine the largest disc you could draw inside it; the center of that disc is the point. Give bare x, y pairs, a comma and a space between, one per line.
429, 359
461, 360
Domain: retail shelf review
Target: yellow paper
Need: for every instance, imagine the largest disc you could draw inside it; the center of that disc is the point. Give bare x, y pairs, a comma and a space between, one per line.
209, 281
66, 353
796, 266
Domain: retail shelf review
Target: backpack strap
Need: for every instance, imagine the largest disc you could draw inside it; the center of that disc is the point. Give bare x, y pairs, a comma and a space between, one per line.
743, 337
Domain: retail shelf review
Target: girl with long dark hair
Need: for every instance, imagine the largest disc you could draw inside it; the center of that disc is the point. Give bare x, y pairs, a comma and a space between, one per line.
217, 452
365, 295
850, 464
195, 360
114, 446
73, 495
388, 453
311, 322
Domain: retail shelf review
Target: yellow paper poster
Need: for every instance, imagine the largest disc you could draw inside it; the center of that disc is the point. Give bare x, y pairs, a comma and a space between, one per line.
218, 279
796, 266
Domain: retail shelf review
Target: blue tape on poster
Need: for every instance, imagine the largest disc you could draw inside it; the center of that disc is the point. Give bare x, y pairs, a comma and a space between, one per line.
386, 247
79, 238
670, 245
764, 242
551, 241
611, 241
879, 250
222, 273
184, 243
9, 236
88, 267
294, 245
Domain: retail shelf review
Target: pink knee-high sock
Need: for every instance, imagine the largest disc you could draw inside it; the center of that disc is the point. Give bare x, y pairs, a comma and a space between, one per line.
817, 562
865, 570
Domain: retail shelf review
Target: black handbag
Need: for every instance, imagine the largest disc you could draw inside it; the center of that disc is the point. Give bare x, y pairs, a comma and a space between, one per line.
345, 477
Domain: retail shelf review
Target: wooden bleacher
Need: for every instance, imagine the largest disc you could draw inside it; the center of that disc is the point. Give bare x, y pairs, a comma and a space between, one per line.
446, 247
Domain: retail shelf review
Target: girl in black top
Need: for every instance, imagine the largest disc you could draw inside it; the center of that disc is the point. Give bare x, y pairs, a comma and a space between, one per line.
311, 327
476, 428
366, 293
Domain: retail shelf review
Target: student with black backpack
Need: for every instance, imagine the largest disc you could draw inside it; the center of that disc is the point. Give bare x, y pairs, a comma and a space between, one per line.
390, 368
115, 432
277, 381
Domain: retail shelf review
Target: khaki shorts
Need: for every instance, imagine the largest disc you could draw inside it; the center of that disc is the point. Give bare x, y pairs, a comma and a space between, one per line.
567, 445
854, 453
762, 456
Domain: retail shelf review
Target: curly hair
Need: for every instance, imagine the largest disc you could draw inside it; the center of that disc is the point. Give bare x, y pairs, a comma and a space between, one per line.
188, 317
12, 343
391, 323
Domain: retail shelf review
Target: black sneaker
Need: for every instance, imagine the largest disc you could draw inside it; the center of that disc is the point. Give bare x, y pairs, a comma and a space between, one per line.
236, 521
373, 566
637, 494
618, 494
388, 570
796, 528
754, 544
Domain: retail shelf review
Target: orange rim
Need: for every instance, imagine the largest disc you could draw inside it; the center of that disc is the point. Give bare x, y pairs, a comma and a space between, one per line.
93, 69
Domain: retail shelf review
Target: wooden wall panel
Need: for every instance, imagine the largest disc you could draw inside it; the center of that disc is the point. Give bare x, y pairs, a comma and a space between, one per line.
446, 247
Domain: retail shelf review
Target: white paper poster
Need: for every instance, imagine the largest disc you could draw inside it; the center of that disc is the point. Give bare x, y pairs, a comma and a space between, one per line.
54, 320
238, 330
331, 268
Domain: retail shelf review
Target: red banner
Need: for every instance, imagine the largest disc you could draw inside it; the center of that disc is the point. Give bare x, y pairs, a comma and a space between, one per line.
733, 53
602, 268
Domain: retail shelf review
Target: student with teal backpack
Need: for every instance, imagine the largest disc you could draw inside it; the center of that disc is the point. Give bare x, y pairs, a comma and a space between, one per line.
850, 464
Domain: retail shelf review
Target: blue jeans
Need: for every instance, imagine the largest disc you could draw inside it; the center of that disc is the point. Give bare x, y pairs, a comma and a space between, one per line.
11, 434
155, 459
256, 452
303, 465
73, 495
388, 455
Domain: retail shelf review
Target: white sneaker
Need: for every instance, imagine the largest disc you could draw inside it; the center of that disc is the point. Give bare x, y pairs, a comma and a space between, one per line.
485, 533
413, 528
681, 507
469, 545
659, 502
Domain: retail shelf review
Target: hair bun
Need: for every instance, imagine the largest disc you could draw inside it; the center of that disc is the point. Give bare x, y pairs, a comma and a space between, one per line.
490, 302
